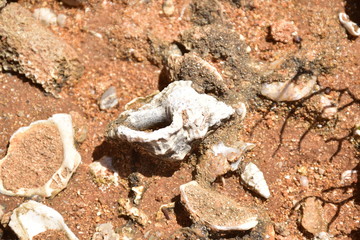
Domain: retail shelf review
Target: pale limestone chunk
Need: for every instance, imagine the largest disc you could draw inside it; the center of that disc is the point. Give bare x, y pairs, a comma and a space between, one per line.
215, 210
33, 218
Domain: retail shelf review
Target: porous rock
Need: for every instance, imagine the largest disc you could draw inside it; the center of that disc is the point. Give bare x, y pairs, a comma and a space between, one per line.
216, 211
32, 219
41, 158
27, 47
171, 122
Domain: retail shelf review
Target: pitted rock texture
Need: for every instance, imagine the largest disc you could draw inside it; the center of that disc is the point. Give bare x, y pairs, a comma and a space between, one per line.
29, 48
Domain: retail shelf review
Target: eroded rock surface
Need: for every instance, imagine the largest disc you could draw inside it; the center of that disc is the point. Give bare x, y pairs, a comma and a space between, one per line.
218, 212
29, 48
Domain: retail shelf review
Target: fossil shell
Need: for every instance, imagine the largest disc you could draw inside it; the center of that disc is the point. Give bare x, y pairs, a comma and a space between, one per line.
254, 179
32, 218
289, 90
169, 124
41, 158
216, 211
350, 26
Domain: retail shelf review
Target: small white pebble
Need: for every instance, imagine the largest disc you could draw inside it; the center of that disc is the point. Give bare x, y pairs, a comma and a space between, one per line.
61, 20
304, 181
45, 15
346, 175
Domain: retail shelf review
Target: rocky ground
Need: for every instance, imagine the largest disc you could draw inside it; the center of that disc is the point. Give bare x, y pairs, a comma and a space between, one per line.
308, 149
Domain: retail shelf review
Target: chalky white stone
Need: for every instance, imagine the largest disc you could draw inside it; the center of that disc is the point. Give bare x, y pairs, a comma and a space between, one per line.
32, 218
171, 121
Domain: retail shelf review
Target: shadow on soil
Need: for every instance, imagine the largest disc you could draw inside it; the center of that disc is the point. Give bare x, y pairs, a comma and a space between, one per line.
129, 160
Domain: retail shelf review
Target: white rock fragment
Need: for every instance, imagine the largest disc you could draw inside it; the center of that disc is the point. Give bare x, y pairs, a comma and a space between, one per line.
323, 236
108, 99
104, 172
174, 118
288, 90
32, 218
105, 231
240, 110
350, 26
45, 15
41, 158
215, 210
347, 175
328, 107
168, 7
255, 180
61, 20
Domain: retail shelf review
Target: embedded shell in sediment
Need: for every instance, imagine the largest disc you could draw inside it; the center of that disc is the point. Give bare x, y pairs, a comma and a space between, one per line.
32, 218
41, 158
289, 90
171, 121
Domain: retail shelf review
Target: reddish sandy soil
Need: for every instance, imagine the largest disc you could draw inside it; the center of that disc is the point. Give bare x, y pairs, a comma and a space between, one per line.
291, 140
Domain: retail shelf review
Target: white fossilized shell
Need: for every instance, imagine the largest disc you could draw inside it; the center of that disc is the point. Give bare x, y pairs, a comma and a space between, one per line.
350, 26
254, 179
41, 158
32, 218
288, 90
216, 211
186, 114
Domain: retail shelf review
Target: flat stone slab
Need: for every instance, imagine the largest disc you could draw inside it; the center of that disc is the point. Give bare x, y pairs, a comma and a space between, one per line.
215, 210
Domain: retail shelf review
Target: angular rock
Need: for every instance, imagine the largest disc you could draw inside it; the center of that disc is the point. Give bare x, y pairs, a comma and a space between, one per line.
313, 216
216, 211
41, 158
33, 220
105, 231
27, 47
108, 99
104, 172
171, 122
220, 159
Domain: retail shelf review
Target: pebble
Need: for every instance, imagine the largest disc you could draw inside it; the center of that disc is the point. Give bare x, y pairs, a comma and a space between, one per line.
108, 99
313, 216
105, 231
168, 7
304, 181
283, 31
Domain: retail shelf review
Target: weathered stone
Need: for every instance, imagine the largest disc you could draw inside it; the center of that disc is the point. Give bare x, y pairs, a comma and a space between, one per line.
27, 47
313, 216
